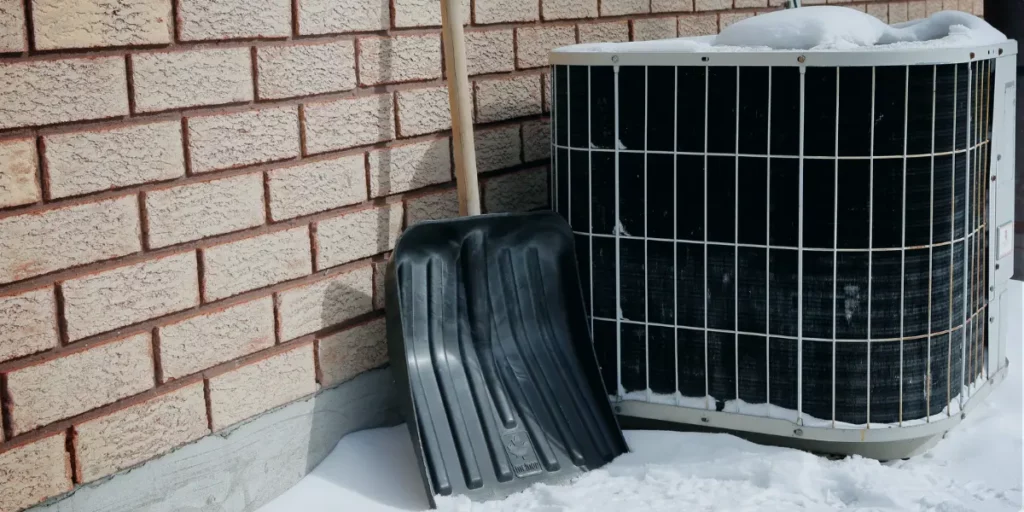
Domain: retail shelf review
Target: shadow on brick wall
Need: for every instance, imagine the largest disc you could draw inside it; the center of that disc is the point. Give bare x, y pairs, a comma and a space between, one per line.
358, 387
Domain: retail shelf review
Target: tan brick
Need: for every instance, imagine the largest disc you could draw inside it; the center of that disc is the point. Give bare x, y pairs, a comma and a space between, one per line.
204, 341
671, 5
357, 235
568, 9
349, 122
12, 28
609, 32
168, 80
503, 11
58, 91
537, 140
880, 11
126, 295
497, 148
422, 111
337, 16
534, 43
712, 5
251, 263
506, 98
39, 243
932, 6
324, 303
304, 69
408, 167
728, 18
621, 7
316, 186
385, 60
34, 472
489, 51
199, 210
917, 9
28, 323
257, 387
120, 440
746, 4
70, 385
978, 8
18, 170
898, 12
83, 162
243, 138
650, 29
89, 23
228, 19
950, 5
519, 191
432, 206
698, 25
350, 352
424, 13
379, 269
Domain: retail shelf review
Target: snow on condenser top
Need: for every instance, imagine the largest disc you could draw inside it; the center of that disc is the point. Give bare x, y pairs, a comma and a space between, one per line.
820, 28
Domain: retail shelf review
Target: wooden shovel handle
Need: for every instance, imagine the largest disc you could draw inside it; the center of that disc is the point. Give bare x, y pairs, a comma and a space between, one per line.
461, 109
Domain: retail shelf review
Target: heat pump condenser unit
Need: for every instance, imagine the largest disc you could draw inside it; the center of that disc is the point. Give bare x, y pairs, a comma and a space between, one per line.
812, 246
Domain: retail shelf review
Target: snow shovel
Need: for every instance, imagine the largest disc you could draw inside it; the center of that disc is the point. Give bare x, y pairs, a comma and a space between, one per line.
488, 337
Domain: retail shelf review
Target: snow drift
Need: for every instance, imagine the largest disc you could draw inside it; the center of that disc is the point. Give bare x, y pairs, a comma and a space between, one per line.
822, 28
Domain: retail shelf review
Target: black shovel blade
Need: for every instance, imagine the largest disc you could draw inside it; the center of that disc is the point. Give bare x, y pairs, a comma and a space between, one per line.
488, 334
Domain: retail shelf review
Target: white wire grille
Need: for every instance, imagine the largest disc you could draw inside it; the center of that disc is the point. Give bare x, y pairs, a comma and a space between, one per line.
807, 243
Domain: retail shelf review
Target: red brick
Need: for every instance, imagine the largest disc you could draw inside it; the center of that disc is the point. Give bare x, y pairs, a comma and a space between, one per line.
262, 385
315, 306
203, 209
39, 243
130, 436
34, 472
607, 32
357, 235
316, 186
41, 92
504, 11
70, 385
507, 98
518, 191
18, 171
203, 341
243, 138
12, 26
534, 43
432, 206
346, 354
621, 7
28, 323
408, 167
251, 263
126, 295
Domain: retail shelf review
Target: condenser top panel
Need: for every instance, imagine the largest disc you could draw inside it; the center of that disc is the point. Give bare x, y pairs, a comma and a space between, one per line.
810, 36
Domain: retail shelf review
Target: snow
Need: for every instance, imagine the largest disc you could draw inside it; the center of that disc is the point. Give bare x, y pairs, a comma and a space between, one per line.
821, 28
978, 467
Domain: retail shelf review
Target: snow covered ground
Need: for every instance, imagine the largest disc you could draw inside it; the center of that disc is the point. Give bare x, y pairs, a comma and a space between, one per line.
977, 468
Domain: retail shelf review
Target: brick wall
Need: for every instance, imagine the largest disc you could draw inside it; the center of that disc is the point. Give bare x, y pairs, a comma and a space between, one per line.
197, 196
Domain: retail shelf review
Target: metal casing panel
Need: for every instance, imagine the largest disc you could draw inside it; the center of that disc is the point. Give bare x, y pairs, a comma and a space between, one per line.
1004, 166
